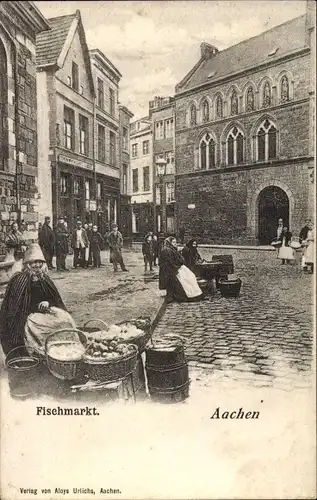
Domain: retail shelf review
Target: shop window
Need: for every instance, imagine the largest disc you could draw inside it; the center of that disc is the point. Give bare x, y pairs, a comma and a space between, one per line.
65, 184
77, 186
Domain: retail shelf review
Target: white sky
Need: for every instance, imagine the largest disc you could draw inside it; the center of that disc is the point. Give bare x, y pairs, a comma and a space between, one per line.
154, 44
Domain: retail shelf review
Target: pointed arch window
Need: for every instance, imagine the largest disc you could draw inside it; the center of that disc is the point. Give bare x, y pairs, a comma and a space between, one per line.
205, 111
219, 107
266, 141
207, 152
193, 115
284, 89
234, 103
267, 95
249, 100
235, 147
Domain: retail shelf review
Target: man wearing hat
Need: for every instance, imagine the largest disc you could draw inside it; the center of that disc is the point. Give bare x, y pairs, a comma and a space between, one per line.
28, 291
46, 241
61, 244
79, 244
115, 241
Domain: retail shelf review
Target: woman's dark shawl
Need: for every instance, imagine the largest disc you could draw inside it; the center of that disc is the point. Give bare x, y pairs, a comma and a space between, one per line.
170, 262
21, 299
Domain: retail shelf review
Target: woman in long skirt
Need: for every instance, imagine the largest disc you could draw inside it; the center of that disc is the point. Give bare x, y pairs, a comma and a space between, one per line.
309, 253
174, 277
286, 253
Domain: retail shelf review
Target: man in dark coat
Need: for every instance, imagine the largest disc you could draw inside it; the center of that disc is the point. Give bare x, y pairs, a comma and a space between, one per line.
46, 242
96, 244
89, 231
28, 291
61, 244
115, 241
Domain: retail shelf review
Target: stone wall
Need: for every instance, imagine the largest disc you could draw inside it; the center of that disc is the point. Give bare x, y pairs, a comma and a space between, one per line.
18, 178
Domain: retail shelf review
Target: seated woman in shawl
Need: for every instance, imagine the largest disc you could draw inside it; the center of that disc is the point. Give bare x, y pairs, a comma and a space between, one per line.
30, 291
191, 255
174, 277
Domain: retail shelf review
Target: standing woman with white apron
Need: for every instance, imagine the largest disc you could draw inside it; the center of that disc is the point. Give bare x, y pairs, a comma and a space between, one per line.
286, 253
309, 253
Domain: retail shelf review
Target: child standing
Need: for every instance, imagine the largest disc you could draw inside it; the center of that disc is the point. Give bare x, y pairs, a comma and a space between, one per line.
147, 250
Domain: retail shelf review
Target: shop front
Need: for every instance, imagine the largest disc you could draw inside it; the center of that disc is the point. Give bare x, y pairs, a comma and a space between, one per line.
80, 195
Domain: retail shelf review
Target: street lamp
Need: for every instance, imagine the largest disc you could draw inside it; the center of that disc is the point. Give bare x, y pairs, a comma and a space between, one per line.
161, 170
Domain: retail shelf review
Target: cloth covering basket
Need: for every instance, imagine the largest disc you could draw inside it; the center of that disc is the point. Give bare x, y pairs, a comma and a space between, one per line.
65, 369
111, 370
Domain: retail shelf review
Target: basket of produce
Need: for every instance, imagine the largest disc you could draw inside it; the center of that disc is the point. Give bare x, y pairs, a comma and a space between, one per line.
109, 360
136, 332
64, 352
230, 288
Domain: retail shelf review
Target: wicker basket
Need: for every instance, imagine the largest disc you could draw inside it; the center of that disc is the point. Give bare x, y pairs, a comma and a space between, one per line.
62, 369
140, 340
111, 370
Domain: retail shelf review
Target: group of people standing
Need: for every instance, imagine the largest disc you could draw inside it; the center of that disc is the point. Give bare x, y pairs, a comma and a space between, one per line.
85, 241
286, 252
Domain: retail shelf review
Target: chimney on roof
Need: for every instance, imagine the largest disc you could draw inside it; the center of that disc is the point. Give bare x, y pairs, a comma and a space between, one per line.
207, 51
78, 14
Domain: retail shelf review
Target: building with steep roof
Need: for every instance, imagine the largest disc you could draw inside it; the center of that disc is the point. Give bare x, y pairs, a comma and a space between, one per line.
67, 176
20, 22
243, 136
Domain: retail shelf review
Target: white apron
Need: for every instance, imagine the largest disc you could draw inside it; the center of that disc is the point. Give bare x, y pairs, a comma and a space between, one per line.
310, 249
285, 252
188, 281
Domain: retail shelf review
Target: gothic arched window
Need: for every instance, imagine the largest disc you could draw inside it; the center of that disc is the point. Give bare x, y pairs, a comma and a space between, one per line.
234, 103
284, 89
249, 100
267, 95
266, 141
207, 152
235, 147
219, 107
205, 111
193, 115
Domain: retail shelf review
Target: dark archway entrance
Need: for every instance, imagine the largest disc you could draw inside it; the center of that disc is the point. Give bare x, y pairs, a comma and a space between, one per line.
273, 204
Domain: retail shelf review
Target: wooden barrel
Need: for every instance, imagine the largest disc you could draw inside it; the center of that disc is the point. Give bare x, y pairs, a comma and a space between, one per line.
167, 374
23, 374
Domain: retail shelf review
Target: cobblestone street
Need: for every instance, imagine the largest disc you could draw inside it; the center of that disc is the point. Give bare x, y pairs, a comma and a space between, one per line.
263, 337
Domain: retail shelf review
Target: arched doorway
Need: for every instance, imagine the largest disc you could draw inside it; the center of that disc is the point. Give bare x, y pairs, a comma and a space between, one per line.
3, 107
273, 204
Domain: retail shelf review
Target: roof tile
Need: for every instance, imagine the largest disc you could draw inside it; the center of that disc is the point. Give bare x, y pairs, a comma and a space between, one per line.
49, 44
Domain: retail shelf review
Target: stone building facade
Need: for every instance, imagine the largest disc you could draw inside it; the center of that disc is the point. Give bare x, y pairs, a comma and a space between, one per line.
162, 115
66, 118
141, 154
106, 79
243, 147
20, 22
125, 216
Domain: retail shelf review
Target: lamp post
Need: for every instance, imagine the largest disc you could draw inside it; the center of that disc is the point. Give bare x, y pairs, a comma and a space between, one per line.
161, 170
